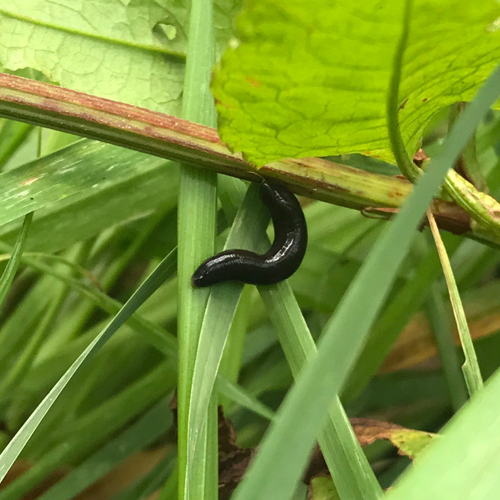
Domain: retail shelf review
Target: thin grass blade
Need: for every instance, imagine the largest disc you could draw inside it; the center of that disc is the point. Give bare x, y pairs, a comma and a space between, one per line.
246, 232
150, 285
148, 428
15, 258
470, 368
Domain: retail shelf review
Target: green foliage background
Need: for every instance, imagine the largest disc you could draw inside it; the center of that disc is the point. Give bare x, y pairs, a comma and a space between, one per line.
294, 79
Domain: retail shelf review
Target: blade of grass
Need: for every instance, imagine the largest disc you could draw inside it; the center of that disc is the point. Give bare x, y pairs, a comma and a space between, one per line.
391, 322
440, 324
58, 259
16, 363
346, 460
232, 357
15, 258
29, 351
121, 259
276, 470
150, 426
340, 444
243, 398
81, 190
196, 235
95, 424
16, 445
158, 337
246, 232
169, 490
93, 430
470, 367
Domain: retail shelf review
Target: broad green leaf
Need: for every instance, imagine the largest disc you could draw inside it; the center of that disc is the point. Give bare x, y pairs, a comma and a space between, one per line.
310, 78
284, 452
127, 51
108, 49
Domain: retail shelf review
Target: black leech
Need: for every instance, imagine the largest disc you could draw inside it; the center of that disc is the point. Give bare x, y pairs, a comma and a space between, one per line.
279, 262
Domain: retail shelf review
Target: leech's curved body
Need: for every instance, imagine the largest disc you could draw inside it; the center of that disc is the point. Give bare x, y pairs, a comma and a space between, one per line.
279, 262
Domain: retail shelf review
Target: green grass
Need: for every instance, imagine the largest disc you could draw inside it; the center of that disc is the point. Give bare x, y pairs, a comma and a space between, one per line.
101, 331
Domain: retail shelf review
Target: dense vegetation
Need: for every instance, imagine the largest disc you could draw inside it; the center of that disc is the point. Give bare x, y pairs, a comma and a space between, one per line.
119, 380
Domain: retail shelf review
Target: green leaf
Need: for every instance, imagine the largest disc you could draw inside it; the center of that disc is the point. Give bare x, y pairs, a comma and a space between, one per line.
197, 209
284, 452
132, 52
105, 49
310, 78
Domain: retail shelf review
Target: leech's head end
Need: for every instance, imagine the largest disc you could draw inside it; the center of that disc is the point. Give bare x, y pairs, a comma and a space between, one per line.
197, 280
204, 275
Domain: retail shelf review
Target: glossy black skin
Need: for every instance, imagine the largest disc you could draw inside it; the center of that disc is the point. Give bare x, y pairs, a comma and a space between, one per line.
279, 262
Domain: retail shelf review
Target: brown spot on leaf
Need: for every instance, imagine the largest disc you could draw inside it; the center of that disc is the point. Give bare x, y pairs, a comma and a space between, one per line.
368, 430
408, 442
403, 104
